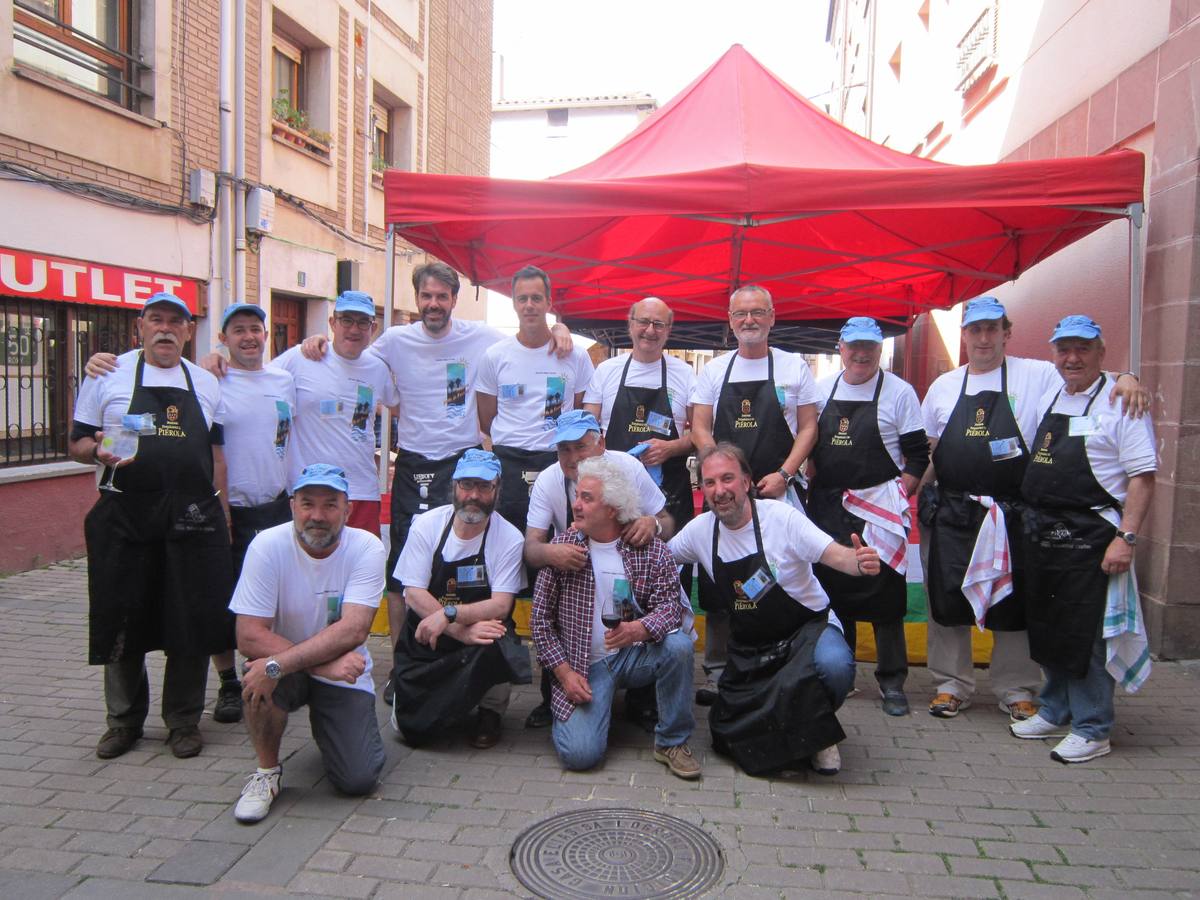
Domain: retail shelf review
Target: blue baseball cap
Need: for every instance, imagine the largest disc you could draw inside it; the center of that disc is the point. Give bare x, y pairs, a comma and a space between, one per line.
355, 301
575, 424
861, 328
170, 299
243, 308
323, 475
1078, 326
982, 308
481, 464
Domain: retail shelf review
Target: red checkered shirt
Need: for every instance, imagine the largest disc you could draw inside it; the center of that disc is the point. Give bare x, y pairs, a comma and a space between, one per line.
563, 603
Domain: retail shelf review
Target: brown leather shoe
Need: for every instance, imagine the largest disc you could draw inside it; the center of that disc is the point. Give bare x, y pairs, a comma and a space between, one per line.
487, 729
185, 742
117, 742
947, 706
1021, 710
679, 760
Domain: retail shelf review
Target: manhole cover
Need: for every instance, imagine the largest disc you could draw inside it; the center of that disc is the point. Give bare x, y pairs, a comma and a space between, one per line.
616, 853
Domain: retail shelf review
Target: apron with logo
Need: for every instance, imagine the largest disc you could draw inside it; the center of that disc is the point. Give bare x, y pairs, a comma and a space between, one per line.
772, 709
966, 464
1065, 542
850, 455
438, 687
248, 521
159, 569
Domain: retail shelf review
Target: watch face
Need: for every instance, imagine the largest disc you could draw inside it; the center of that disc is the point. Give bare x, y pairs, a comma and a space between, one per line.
272, 669
451, 612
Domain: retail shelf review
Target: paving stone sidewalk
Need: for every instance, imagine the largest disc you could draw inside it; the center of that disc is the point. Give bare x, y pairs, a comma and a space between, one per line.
923, 807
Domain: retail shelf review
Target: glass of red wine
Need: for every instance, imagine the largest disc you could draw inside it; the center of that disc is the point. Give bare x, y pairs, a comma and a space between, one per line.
610, 615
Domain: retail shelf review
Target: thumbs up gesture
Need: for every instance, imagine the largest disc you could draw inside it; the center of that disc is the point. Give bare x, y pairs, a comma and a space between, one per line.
866, 557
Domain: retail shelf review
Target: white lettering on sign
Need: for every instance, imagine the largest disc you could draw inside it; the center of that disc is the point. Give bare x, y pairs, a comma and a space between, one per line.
40, 276
8, 276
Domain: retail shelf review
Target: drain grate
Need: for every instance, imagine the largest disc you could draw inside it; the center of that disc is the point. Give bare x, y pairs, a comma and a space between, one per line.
616, 853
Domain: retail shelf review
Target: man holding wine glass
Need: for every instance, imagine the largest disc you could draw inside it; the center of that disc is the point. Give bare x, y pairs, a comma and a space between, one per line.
615, 622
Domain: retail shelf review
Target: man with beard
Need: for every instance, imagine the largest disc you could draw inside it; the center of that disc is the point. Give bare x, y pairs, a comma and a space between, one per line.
308, 592
157, 538
789, 668
458, 650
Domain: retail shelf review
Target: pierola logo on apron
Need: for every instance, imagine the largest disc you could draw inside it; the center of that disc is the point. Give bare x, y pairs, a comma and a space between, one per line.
979, 429
746, 419
1043, 454
171, 428
842, 438
450, 596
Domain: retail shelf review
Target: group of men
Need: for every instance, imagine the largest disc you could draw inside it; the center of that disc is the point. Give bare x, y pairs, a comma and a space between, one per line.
584, 497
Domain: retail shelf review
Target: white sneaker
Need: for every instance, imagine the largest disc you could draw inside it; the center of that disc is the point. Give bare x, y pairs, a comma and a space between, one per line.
1036, 727
827, 761
257, 796
1075, 748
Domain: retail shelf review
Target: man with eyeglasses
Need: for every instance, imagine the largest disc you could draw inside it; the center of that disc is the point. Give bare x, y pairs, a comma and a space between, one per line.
763, 401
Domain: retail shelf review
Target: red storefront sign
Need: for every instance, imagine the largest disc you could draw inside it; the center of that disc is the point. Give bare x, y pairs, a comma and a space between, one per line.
43, 277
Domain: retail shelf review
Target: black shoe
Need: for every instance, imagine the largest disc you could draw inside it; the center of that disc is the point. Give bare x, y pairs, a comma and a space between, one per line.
487, 729
117, 742
185, 742
706, 697
894, 703
539, 717
228, 708
646, 717
389, 691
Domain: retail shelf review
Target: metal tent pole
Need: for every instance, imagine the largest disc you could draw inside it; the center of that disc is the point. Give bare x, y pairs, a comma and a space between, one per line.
1135, 287
389, 291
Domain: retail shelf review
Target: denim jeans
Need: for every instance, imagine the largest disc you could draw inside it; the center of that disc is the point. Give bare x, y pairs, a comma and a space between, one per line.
1085, 703
834, 661
583, 738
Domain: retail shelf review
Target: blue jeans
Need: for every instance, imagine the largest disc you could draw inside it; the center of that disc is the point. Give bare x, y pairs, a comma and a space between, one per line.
583, 738
1085, 703
834, 661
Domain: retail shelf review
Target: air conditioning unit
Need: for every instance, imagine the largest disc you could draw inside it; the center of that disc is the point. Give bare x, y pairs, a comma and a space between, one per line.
260, 211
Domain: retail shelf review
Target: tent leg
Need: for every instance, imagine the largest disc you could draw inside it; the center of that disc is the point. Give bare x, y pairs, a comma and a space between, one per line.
1135, 287
389, 294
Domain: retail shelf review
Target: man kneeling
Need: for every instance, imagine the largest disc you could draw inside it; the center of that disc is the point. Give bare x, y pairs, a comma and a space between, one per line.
615, 623
461, 568
308, 592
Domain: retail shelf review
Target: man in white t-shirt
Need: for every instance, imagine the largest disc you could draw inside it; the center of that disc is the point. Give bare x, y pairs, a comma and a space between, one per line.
981, 419
576, 438
789, 668
337, 399
308, 592
614, 622
458, 650
1088, 488
522, 391
761, 400
158, 537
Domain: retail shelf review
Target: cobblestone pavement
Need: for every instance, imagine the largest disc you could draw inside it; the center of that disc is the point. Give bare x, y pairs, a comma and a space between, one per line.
923, 807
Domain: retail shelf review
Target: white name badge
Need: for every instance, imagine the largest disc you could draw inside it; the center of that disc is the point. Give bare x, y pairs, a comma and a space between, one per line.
1082, 426
1005, 448
658, 422
757, 585
511, 391
472, 576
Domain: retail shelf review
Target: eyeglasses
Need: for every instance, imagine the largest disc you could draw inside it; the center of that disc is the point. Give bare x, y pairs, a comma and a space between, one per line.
656, 324
362, 323
741, 314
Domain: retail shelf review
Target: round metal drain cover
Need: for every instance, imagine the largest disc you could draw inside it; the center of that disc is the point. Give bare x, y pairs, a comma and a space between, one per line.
616, 853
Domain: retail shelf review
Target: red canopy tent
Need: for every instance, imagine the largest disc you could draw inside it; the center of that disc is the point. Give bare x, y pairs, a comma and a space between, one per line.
738, 180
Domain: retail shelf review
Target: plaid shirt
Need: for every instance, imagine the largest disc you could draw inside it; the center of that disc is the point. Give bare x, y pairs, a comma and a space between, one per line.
563, 604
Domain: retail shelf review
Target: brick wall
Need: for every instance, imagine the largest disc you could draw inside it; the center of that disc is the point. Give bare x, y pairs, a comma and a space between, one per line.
460, 86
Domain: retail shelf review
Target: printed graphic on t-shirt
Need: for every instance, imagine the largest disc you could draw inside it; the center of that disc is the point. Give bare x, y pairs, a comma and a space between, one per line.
456, 390
333, 608
556, 389
283, 426
781, 395
362, 412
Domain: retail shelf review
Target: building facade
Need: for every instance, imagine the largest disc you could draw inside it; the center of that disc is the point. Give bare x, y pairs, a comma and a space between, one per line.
112, 150
984, 81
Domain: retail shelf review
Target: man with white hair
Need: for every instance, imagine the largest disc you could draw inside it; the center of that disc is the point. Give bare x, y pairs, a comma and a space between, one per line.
615, 622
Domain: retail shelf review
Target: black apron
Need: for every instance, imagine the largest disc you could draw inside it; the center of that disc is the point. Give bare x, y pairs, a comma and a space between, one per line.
437, 688
519, 469
248, 521
419, 484
964, 466
748, 414
1065, 542
850, 455
627, 427
772, 709
159, 569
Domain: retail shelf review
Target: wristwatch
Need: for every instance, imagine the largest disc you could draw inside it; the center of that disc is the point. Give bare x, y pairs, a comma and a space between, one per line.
1128, 537
784, 474
451, 612
273, 670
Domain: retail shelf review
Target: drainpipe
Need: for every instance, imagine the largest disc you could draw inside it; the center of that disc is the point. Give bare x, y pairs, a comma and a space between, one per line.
1135, 287
239, 154
224, 167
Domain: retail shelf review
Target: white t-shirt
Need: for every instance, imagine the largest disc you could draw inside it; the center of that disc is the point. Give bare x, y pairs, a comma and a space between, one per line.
436, 378
612, 585
899, 411
336, 400
1028, 380
257, 408
1119, 449
791, 544
532, 387
548, 499
303, 595
501, 555
102, 401
680, 383
793, 380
